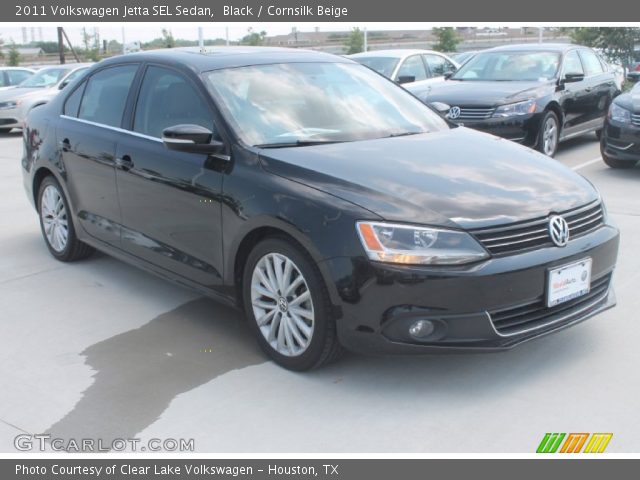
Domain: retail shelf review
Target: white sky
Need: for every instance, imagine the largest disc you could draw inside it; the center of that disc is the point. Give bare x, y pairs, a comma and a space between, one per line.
148, 31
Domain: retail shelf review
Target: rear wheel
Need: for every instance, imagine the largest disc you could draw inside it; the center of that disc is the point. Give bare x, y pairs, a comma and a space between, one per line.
288, 306
549, 134
56, 224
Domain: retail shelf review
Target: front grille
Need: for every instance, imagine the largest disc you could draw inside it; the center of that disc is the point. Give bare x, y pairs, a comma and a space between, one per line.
635, 119
475, 113
532, 234
536, 314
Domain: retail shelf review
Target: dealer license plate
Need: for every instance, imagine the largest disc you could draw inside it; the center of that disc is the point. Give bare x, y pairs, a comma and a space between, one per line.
568, 282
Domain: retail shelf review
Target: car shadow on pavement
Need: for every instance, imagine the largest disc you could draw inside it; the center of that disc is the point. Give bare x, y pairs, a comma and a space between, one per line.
139, 372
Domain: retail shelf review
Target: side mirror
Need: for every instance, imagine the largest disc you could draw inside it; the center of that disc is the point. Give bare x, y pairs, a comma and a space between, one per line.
573, 77
191, 139
63, 84
441, 108
406, 79
449, 74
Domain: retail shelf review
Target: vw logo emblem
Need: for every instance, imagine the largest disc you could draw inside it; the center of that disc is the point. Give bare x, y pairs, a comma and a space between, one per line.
283, 305
559, 230
454, 112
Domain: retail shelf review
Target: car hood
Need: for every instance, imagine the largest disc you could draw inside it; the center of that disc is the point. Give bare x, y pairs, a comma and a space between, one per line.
457, 177
480, 93
18, 92
629, 100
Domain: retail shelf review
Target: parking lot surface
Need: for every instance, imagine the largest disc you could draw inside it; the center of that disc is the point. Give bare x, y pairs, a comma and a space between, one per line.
99, 349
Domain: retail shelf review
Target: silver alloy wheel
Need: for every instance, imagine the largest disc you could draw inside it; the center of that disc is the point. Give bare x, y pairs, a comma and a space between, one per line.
54, 218
549, 136
282, 304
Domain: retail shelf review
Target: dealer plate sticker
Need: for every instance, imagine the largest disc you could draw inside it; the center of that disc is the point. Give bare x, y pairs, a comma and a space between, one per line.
568, 282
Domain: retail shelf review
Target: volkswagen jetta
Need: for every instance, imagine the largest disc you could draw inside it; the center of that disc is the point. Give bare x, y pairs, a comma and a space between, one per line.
332, 206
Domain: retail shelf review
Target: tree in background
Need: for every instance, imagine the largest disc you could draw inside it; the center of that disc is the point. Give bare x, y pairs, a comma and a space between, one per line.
253, 38
167, 39
448, 39
617, 43
354, 42
14, 56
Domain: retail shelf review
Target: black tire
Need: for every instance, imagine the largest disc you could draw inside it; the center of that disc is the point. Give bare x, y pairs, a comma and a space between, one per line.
612, 162
598, 134
5, 130
73, 249
549, 116
323, 346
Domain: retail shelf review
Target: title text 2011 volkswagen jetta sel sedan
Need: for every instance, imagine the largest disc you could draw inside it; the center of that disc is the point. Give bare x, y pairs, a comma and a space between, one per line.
330, 204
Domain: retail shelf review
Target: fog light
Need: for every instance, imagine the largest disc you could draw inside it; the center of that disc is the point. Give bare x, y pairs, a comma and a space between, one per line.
421, 328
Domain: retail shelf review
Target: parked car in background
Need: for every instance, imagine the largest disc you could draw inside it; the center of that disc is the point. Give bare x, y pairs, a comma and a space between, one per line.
12, 76
534, 94
463, 57
408, 67
328, 203
36, 90
620, 142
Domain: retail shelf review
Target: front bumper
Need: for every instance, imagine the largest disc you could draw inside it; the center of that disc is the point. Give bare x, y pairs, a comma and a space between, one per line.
621, 141
521, 129
379, 302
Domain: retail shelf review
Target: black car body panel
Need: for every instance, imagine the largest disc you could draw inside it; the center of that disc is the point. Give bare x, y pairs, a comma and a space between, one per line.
580, 106
193, 218
621, 140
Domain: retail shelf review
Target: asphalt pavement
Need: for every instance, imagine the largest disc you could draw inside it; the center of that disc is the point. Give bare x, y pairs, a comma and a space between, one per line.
100, 349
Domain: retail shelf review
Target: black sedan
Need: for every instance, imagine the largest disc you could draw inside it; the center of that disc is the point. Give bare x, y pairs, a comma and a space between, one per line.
620, 144
333, 207
537, 95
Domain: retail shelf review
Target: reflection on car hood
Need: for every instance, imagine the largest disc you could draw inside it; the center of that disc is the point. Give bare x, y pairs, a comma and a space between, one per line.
480, 93
27, 93
629, 100
454, 177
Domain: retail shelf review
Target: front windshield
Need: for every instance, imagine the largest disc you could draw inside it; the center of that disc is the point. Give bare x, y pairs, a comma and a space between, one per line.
292, 103
383, 65
47, 77
510, 66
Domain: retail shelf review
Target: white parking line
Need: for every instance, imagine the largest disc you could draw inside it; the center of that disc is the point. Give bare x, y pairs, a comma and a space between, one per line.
586, 164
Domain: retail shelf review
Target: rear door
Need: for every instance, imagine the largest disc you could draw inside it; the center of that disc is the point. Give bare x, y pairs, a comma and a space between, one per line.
87, 135
601, 85
171, 201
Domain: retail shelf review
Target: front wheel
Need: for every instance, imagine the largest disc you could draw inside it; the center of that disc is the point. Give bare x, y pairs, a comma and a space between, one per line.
288, 306
56, 223
549, 134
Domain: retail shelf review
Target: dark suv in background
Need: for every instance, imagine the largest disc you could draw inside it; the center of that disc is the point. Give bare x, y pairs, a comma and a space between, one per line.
537, 95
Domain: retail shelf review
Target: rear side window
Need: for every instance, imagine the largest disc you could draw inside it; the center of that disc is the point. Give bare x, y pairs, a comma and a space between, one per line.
167, 99
592, 65
72, 104
105, 95
18, 76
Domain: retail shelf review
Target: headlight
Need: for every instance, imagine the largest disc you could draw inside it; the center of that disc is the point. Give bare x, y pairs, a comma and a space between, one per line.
411, 245
8, 105
619, 114
512, 109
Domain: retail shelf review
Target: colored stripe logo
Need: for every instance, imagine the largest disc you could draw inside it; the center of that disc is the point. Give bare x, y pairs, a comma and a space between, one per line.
573, 443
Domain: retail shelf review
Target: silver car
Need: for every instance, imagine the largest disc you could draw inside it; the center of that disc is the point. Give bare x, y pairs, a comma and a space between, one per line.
12, 76
408, 66
36, 90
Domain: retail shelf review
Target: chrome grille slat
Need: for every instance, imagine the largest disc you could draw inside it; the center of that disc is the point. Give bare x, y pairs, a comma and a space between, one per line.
635, 119
475, 113
531, 234
536, 314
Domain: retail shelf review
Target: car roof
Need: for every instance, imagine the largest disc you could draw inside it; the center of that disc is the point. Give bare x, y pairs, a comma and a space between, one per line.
535, 47
394, 53
213, 58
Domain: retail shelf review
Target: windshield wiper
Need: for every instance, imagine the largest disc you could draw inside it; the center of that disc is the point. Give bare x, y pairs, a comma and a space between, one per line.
404, 134
297, 143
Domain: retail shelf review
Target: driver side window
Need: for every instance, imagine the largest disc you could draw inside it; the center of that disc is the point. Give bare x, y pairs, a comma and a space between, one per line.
167, 99
572, 64
413, 67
